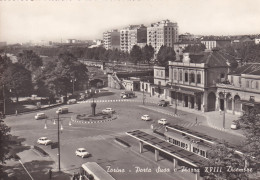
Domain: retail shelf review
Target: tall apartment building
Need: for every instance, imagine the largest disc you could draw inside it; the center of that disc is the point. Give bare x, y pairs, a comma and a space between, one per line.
162, 33
111, 39
132, 35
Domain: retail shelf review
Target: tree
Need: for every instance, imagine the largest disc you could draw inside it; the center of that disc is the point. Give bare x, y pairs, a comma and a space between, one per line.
251, 128
29, 60
221, 156
164, 55
4, 145
147, 53
18, 80
136, 54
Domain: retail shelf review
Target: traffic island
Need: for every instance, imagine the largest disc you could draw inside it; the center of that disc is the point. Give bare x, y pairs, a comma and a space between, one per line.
90, 118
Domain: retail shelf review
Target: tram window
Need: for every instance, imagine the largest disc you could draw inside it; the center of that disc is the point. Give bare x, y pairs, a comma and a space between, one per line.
182, 145
178, 143
195, 150
202, 153
186, 146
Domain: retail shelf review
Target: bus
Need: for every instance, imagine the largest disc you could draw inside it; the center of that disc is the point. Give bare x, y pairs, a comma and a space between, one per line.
92, 171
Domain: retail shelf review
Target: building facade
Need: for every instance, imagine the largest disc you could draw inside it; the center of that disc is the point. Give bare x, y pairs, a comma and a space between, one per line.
242, 90
132, 35
111, 39
162, 33
192, 81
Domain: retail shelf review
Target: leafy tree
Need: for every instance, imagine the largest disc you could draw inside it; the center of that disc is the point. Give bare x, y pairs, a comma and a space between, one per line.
148, 53
221, 156
195, 49
29, 60
136, 54
4, 145
164, 55
18, 79
251, 123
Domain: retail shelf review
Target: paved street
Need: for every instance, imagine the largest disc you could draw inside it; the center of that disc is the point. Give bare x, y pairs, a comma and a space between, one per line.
98, 138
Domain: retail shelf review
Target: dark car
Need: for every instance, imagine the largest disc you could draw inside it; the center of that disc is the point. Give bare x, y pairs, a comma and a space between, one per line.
163, 103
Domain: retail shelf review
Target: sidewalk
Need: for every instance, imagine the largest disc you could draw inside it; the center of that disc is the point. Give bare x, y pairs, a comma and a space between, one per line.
33, 166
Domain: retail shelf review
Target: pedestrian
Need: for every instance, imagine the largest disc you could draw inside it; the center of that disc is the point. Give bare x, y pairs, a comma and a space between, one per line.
50, 173
16, 112
196, 120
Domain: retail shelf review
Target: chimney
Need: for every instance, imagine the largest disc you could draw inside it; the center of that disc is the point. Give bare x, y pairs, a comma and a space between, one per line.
186, 58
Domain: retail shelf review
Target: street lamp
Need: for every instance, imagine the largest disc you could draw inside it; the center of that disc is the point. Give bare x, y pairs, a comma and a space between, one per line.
224, 109
73, 81
143, 92
59, 128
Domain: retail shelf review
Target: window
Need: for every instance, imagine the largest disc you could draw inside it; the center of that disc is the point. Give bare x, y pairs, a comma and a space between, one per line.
198, 78
161, 73
180, 75
247, 84
256, 85
175, 75
186, 76
192, 77
232, 80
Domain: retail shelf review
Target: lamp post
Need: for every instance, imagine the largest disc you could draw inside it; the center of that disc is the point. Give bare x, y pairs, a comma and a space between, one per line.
143, 92
59, 128
224, 109
73, 81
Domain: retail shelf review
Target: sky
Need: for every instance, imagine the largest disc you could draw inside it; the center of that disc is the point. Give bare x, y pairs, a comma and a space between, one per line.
56, 20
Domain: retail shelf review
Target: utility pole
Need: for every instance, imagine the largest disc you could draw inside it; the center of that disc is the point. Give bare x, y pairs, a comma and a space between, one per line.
143, 93
59, 140
4, 99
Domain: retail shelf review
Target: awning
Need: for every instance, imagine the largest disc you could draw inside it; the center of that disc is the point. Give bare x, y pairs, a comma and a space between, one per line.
185, 90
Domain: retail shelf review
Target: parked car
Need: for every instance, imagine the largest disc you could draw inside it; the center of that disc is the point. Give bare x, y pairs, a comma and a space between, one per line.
82, 152
163, 103
72, 101
127, 94
162, 121
235, 125
40, 116
145, 117
44, 140
108, 111
62, 110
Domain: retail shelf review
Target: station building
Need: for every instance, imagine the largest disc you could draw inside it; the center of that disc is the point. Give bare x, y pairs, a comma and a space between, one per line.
191, 82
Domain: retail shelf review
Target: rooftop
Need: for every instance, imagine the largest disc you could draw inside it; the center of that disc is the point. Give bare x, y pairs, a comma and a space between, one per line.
252, 69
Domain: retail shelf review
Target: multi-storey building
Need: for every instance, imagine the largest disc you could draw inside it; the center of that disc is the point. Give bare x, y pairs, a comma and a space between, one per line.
242, 91
214, 42
132, 35
162, 33
111, 39
192, 81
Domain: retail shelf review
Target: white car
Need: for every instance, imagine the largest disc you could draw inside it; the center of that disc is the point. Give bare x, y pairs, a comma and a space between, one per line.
162, 121
82, 152
44, 140
72, 101
145, 117
235, 125
40, 116
108, 111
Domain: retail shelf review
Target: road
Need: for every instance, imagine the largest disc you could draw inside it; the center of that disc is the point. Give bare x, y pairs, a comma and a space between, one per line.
98, 138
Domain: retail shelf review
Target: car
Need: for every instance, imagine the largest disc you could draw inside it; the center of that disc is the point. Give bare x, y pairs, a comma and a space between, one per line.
40, 116
44, 140
145, 117
62, 110
235, 125
163, 103
108, 111
72, 101
162, 121
82, 152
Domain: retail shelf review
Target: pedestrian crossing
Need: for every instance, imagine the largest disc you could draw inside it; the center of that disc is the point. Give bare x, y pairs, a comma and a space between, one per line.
117, 100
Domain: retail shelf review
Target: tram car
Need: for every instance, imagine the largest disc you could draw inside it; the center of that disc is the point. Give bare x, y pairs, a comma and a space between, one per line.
188, 143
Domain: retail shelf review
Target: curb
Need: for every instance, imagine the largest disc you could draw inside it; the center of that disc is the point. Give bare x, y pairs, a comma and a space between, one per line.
93, 122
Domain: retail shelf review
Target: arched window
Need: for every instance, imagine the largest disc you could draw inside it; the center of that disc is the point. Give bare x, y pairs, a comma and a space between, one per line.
198, 78
192, 77
186, 76
180, 75
175, 74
